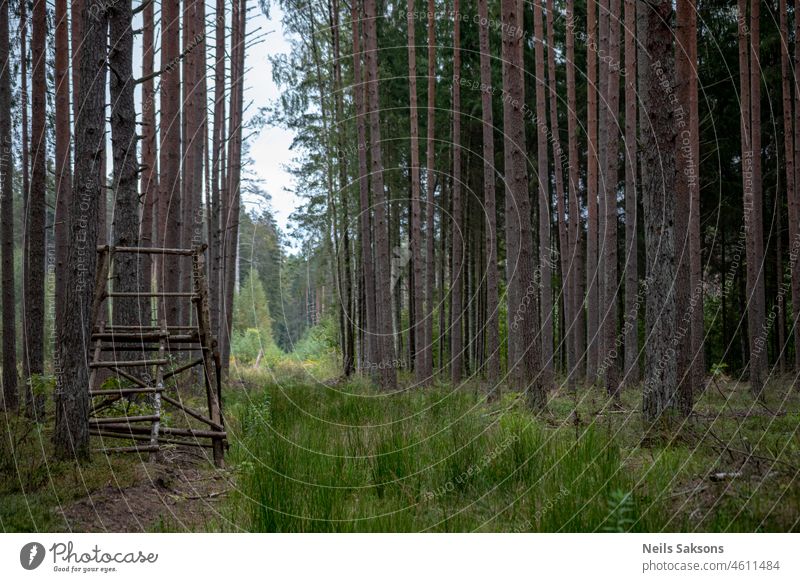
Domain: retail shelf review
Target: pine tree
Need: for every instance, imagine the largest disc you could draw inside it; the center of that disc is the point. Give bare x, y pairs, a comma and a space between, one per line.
10, 392
524, 350
657, 138
71, 436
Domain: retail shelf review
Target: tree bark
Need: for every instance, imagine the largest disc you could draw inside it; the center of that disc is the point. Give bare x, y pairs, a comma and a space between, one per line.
10, 392
33, 276
149, 178
346, 280
359, 97
749, 79
417, 255
657, 135
695, 238
790, 153
684, 183
610, 136
592, 163
566, 252
218, 179
577, 323
523, 347
126, 311
231, 213
71, 436
169, 227
489, 197
388, 374
543, 180
795, 267
430, 239
631, 326
457, 239
62, 149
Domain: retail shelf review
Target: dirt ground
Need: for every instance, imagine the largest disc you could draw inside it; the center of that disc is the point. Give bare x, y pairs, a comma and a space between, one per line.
181, 492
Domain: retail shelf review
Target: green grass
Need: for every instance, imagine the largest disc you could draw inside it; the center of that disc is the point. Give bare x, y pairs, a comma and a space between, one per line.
310, 457
33, 485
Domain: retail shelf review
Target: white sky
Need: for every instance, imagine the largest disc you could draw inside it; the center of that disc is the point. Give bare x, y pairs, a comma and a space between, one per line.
269, 149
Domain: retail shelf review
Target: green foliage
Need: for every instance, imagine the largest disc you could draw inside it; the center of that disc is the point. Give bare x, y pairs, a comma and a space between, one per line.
318, 342
42, 384
247, 345
620, 512
424, 460
252, 338
250, 306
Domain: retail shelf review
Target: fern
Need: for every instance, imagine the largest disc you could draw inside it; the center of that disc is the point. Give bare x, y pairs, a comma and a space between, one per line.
621, 513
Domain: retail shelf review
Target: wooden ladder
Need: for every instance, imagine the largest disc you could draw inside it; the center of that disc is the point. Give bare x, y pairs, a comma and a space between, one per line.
148, 377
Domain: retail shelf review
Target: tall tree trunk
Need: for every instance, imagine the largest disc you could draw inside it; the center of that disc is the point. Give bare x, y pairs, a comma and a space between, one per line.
523, 346
490, 203
565, 249
592, 162
543, 179
359, 97
790, 153
201, 169
25, 145
388, 375
149, 179
757, 229
795, 267
10, 392
631, 326
445, 207
33, 275
126, 311
578, 322
168, 227
76, 41
749, 78
780, 303
430, 239
695, 239
346, 280
657, 135
188, 115
71, 436
417, 253
218, 179
62, 149
683, 208
457, 241
610, 136
231, 214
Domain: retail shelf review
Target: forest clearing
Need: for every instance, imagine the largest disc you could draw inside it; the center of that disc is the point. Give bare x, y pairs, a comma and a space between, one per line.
359, 266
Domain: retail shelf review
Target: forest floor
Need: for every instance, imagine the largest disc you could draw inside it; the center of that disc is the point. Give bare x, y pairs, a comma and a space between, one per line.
313, 456
180, 491
310, 455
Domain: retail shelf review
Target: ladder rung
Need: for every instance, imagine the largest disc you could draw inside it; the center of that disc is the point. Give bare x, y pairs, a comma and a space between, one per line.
162, 440
147, 250
139, 449
123, 391
112, 328
135, 294
185, 432
150, 348
145, 336
128, 364
109, 419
